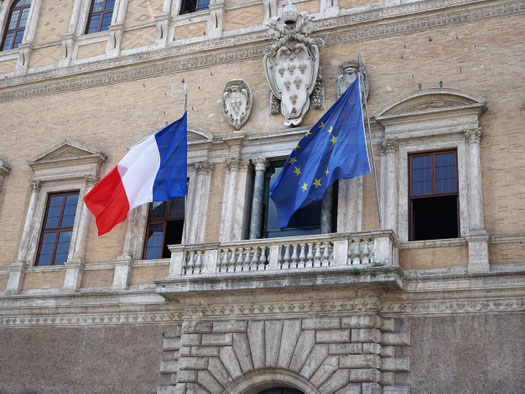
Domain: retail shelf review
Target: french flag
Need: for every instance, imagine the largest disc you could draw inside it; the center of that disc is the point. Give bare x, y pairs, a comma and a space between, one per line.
154, 170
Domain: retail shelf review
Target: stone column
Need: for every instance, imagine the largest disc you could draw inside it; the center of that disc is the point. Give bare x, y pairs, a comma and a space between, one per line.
350, 205
475, 190
478, 237
232, 167
197, 222
390, 148
258, 198
75, 262
326, 211
16, 270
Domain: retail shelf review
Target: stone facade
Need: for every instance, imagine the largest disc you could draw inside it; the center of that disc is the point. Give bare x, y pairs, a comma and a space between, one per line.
359, 308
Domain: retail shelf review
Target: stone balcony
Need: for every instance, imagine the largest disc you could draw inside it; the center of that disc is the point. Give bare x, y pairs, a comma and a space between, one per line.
364, 258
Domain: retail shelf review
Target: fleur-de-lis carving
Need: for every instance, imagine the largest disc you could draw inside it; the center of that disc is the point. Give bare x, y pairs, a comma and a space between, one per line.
281, 71
286, 84
302, 68
291, 69
297, 81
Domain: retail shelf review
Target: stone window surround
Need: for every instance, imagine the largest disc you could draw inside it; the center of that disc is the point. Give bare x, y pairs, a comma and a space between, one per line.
22, 52
199, 174
66, 166
453, 125
241, 182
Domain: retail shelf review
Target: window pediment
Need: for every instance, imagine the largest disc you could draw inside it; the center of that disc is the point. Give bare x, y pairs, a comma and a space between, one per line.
65, 151
68, 159
431, 111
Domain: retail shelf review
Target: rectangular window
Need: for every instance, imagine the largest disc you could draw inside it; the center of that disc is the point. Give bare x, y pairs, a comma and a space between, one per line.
306, 221
188, 6
57, 228
100, 15
165, 226
434, 203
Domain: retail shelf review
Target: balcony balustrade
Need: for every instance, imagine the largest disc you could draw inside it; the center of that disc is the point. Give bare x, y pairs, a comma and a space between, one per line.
353, 250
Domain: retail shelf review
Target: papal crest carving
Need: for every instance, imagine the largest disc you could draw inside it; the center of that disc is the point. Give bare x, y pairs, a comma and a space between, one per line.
237, 102
347, 72
292, 63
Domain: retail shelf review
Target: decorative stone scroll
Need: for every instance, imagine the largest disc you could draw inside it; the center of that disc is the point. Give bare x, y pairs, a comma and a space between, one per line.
347, 73
237, 102
292, 65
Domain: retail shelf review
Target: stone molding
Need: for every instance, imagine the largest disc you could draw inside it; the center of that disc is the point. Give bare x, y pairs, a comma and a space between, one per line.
27, 318
258, 40
260, 163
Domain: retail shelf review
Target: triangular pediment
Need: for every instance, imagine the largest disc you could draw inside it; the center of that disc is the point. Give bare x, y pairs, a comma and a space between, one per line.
431, 101
66, 150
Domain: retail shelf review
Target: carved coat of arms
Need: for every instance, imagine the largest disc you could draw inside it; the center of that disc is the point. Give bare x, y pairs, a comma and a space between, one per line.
347, 72
237, 102
292, 63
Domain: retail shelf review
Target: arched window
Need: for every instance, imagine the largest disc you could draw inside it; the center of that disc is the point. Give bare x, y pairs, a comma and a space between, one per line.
16, 24
100, 15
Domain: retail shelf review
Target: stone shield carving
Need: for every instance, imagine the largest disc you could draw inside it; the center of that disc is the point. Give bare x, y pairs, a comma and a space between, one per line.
292, 63
347, 72
237, 102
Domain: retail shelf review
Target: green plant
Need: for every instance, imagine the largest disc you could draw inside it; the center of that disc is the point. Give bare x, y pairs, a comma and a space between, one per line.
355, 272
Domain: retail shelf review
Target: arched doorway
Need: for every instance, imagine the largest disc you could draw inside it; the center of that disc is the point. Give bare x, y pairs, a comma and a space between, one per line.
281, 390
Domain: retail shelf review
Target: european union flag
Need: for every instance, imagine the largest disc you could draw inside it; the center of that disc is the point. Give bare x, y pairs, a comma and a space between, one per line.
334, 148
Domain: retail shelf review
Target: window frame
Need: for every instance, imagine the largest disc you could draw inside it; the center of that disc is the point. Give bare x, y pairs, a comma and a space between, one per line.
55, 230
6, 30
183, 7
92, 13
433, 193
164, 221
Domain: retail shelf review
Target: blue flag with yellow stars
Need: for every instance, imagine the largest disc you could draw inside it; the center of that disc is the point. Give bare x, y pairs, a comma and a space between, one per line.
334, 148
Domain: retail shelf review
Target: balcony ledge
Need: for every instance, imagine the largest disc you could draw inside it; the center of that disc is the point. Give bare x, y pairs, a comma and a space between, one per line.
356, 277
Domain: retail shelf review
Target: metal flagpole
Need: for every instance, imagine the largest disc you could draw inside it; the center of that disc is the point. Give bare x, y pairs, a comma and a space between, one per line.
185, 97
369, 138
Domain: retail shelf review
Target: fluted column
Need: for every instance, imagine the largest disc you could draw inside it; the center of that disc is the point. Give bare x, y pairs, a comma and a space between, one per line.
475, 189
258, 198
197, 222
232, 168
478, 237
390, 149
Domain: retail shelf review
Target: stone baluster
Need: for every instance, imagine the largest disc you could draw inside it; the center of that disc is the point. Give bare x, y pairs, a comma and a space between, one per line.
258, 197
310, 254
357, 252
326, 254
239, 262
302, 256
294, 255
317, 258
366, 252
286, 257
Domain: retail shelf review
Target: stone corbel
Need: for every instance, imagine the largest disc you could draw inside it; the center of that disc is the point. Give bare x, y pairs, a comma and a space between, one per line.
114, 39
73, 275
68, 44
22, 63
162, 24
215, 22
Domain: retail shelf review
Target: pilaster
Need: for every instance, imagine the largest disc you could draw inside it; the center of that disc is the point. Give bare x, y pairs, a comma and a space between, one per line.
389, 147
215, 22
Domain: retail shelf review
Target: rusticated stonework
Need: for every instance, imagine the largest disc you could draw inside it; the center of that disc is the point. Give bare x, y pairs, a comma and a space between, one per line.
323, 354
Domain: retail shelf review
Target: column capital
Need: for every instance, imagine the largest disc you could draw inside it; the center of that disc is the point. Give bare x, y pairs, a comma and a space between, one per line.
389, 145
203, 167
35, 185
260, 163
91, 180
473, 135
232, 164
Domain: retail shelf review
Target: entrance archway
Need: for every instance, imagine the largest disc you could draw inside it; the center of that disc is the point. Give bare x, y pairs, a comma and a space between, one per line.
263, 381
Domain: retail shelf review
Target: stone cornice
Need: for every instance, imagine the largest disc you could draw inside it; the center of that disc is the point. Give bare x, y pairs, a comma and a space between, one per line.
226, 49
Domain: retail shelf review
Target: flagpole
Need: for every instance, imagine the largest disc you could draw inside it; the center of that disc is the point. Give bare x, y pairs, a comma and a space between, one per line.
370, 139
185, 97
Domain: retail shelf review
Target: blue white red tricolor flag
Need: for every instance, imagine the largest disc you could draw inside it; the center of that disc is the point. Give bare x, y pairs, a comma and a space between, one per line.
154, 170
